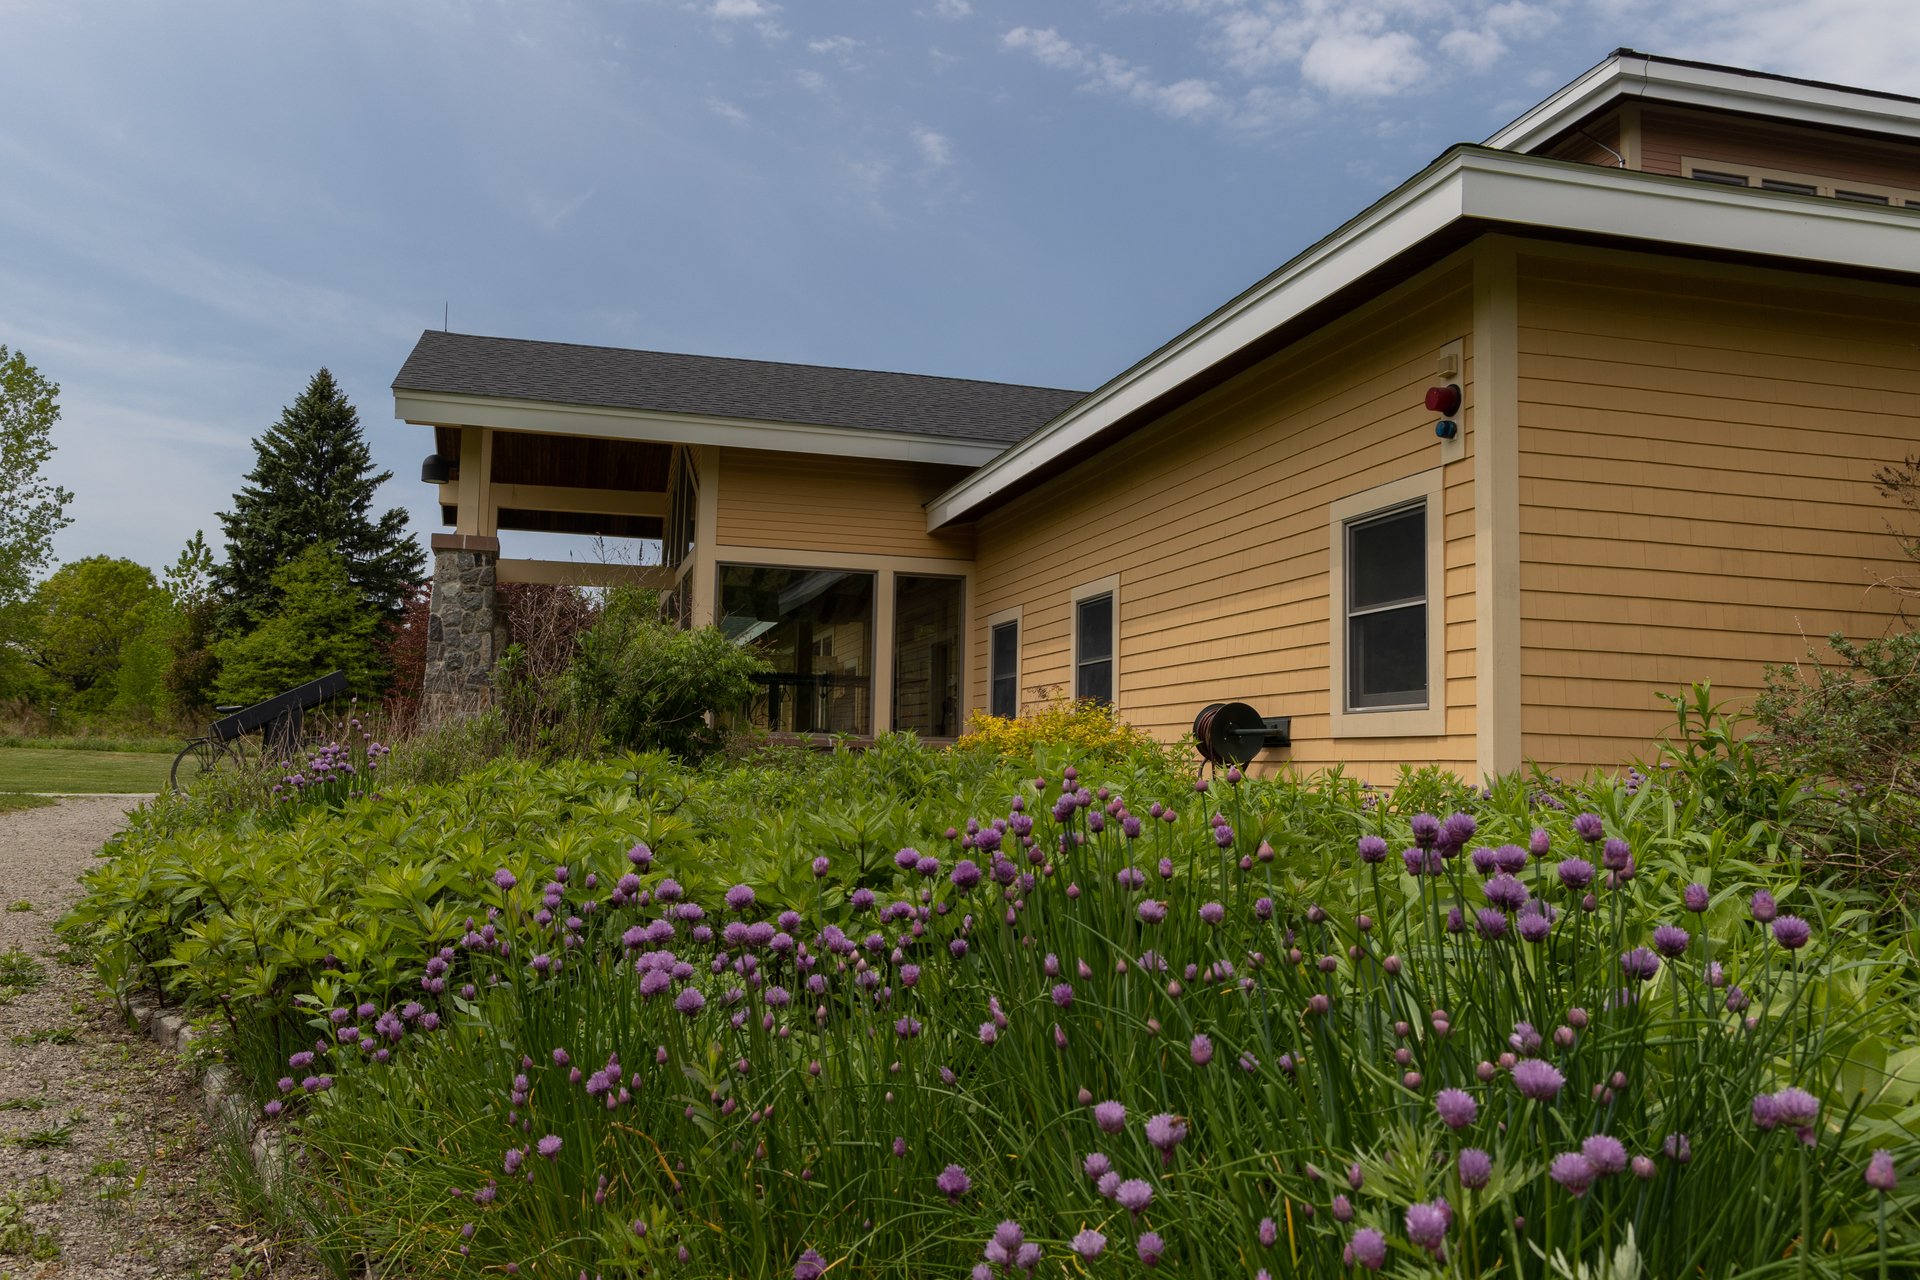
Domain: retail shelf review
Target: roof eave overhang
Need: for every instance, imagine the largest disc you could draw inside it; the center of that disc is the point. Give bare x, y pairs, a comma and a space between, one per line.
448, 409
1469, 190
1625, 76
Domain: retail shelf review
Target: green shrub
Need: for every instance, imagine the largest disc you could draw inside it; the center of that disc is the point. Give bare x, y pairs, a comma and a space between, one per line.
318, 623
651, 685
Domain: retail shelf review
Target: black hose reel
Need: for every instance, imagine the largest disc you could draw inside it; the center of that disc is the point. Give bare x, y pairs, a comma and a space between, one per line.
1234, 733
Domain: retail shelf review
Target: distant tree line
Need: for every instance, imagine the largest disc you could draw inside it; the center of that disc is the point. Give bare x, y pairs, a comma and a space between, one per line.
315, 578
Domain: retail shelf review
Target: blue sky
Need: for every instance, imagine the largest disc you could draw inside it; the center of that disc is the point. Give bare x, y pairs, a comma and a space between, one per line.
202, 203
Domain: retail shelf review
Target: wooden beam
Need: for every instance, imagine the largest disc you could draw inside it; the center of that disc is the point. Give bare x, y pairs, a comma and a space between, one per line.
553, 497
577, 573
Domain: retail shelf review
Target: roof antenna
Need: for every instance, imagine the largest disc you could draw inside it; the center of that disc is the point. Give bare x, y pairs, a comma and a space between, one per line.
446, 312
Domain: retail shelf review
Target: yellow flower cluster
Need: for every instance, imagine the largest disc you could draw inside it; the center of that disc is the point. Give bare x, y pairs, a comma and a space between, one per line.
1092, 729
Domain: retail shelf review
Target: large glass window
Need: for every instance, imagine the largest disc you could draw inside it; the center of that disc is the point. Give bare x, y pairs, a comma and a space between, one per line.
1386, 619
814, 627
1093, 647
926, 655
1003, 669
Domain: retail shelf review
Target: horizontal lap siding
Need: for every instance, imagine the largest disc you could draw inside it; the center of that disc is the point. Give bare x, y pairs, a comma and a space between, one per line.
1697, 496
1668, 135
805, 502
1215, 519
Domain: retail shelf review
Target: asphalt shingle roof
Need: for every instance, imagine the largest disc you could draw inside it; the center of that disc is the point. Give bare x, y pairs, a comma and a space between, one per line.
718, 386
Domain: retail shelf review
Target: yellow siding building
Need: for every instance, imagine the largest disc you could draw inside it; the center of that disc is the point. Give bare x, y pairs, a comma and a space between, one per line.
1568, 420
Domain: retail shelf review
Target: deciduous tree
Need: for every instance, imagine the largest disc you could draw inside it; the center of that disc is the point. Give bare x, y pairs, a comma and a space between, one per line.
32, 508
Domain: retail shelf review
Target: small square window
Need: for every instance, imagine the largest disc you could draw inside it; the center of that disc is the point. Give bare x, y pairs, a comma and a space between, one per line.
1863, 197
1719, 177
1795, 188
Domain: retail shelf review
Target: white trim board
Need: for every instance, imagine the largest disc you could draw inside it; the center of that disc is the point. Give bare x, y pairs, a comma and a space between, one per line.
433, 408
1466, 183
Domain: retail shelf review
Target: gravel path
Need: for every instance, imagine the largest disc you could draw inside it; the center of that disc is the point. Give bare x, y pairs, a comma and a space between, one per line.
107, 1166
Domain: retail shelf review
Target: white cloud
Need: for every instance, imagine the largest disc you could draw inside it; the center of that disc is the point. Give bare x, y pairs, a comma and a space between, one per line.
1182, 100
811, 81
834, 44
1476, 49
1874, 44
741, 10
728, 112
935, 150
1363, 64
952, 9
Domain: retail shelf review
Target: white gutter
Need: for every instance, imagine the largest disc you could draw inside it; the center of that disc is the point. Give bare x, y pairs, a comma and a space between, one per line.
1712, 88
1467, 183
447, 409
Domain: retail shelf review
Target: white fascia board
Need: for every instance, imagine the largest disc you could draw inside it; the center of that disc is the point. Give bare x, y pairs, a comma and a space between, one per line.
1712, 88
1424, 205
433, 408
1523, 191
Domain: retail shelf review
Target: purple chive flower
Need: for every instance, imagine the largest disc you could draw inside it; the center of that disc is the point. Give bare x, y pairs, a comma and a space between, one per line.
1639, 964
1368, 1248
1096, 1166
1004, 1247
953, 1182
1880, 1174
740, 897
1791, 932
1372, 849
1152, 911
1510, 858
1491, 924
1765, 1114
548, 1147
1150, 1246
1575, 873
1456, 1107
1089, 1244
1670, 940
1589, 827
1484, 861
689, 1001
1763, 907
504, 878
1426, 830
1063, 994
1798, 1109
1166, 1132
1504, 892
1538, 1080
811, 1266
1534, 926
1202, 1050
1133, 1195
966, 874
1678, 1148
1268, 1232
1427, 1225
1573, 1171
1694, 898
513, 1158
1110, 1116
1476, 1168
1616, 855
1212, 912
1605, 1154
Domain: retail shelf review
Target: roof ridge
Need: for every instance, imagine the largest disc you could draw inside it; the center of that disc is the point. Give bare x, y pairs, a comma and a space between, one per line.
749, 360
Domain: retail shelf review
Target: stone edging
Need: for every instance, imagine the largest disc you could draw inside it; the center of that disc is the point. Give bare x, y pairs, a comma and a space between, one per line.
220, 1098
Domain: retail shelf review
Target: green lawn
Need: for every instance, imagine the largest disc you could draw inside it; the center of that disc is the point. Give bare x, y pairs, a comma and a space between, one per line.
36, 769
15, 803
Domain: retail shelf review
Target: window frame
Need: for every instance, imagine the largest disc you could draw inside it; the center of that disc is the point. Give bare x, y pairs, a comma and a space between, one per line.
1107, 586
994, 623
893, 579
1426, 489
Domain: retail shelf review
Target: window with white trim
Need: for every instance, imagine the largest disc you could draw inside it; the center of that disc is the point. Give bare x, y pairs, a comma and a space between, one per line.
1003, 666
1801, 184
1386, 610
1386, 624
1096, 640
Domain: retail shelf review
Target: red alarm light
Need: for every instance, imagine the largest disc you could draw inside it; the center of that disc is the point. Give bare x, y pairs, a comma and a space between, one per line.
1444, 401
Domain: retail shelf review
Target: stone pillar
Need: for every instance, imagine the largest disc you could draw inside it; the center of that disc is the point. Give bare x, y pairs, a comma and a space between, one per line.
464, 626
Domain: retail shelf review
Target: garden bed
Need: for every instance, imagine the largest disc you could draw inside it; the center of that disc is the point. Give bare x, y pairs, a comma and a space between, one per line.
915, 1012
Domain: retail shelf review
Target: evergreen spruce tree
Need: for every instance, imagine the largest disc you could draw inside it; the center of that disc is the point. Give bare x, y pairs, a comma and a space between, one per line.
313, 481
